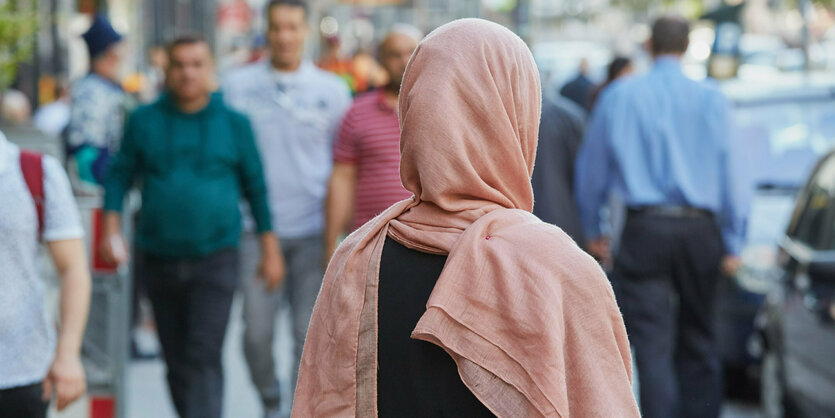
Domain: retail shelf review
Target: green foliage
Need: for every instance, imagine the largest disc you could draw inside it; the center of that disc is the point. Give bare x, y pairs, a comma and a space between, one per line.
18, 29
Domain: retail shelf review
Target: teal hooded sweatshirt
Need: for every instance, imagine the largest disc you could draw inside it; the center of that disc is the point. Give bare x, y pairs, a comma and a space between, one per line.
192, 170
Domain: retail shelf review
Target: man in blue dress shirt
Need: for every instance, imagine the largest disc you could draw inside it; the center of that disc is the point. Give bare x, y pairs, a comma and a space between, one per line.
661, 141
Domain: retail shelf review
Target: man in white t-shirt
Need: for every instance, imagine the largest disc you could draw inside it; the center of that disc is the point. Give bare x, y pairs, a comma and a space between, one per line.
295, 109
35, 365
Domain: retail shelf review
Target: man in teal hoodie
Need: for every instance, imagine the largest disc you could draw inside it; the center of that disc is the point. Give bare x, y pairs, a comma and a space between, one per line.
193, 159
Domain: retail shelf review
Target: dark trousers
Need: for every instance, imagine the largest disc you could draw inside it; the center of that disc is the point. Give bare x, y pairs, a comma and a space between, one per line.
191, 300
23, 401
665, 278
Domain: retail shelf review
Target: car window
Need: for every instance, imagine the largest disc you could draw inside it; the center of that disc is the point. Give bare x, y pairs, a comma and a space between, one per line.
815, 223
769, 214
782, 141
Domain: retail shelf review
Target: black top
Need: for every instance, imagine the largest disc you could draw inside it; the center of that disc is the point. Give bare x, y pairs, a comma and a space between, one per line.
415, 378
560, 134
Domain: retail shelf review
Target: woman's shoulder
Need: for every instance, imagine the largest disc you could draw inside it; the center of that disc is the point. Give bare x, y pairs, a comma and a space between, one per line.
542, 247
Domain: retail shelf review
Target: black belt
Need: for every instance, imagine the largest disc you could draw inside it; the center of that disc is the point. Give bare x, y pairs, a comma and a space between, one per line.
671, 211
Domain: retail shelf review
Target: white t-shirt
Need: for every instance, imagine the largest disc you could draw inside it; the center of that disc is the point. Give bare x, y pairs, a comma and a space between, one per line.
27, 339
295, 116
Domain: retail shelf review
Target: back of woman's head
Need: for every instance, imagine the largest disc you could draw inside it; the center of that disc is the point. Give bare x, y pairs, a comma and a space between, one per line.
469, 114
616, 67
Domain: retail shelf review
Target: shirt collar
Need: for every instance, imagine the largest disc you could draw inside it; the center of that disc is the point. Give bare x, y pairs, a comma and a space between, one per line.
304, 68
668, 62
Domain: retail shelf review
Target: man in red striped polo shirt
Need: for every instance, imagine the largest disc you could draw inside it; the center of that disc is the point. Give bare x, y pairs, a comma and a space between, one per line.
366, 172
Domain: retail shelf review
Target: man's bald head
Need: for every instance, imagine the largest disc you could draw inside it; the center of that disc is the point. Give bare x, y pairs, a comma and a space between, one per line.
396, 49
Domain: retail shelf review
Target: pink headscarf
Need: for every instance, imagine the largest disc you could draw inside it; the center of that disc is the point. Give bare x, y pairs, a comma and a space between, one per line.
530, 320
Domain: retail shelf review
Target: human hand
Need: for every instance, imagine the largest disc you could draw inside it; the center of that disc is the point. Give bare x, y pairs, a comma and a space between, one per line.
65, 381
271, 271
731, 265
600, 250
113, 249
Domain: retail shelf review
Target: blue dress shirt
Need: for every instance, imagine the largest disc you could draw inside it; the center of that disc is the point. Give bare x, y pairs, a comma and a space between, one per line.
660, 139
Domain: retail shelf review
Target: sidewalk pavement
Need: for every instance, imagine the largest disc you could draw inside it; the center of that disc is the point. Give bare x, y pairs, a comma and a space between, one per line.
148, 392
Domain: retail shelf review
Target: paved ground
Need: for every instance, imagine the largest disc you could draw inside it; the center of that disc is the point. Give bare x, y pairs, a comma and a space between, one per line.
148, 396
148, 393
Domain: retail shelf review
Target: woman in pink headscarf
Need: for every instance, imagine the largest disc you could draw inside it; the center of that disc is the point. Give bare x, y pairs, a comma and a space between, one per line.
458, 301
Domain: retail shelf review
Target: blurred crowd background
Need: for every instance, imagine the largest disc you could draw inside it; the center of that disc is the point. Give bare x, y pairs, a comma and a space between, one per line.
733, 38
774, 60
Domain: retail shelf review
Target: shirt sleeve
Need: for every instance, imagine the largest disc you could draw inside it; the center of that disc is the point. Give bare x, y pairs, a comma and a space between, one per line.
574, 126
345, 150
229, 90
735, 195
252, 178
342, 101
592, 172
61, 219
122, 172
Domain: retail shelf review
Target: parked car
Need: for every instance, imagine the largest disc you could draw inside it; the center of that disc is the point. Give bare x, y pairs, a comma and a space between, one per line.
781, 128
798, 319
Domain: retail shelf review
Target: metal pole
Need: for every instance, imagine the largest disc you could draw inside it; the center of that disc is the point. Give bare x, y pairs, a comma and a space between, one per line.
804, 12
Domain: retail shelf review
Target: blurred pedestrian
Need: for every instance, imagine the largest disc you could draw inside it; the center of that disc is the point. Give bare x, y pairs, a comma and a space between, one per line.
334, 60
366, 172
365, 63
17, 126
98, 108
194, 158
661, 141
295, 108
154, 73
619, 67
15, 108
560, 134
38, 206
54, 117
463, 274
578, 88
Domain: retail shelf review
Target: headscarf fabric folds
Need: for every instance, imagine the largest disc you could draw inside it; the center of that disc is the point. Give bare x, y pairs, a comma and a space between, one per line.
530, 320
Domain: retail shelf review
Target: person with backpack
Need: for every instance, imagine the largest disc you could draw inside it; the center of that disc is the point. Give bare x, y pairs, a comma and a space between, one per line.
37, 363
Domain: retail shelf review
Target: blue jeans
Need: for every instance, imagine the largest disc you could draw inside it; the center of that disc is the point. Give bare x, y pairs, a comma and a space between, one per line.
192, 299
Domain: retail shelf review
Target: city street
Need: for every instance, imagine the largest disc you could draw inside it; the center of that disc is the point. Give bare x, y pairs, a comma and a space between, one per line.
148, 393
688, 147
148, 397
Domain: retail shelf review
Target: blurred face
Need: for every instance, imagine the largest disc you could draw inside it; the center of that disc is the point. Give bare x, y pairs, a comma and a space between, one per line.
395, 52
190, 69
158, 58
286, 31
109, 63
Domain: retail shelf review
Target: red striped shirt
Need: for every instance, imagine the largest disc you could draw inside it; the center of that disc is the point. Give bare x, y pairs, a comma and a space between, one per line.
369, 138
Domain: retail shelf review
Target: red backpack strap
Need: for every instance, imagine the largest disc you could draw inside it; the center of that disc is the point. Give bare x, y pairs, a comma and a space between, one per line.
31, 164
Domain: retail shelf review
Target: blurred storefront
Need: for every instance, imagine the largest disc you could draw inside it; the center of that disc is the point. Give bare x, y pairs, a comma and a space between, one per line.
61, 55
769, 35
